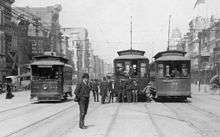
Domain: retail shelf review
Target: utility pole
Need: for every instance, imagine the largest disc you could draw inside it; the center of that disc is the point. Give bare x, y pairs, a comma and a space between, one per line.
131, 34
168, 42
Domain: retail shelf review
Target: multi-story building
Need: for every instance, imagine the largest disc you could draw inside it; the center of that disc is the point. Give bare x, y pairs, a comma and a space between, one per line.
209, 45
37, 31
7, 39
108, 68
79, 44
49, 27
97, 70
196, 25
91, 62
200, 43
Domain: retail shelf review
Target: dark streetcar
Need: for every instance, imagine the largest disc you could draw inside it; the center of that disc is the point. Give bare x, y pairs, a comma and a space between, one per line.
51, 78
131, 66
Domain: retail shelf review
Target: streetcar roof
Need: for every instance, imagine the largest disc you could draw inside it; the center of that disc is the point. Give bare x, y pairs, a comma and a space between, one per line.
49, 57
47, 63
169, 53
67, 65
131, 57
172, 58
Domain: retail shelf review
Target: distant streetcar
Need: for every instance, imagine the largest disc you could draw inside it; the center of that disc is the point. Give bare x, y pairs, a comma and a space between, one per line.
51, 78
132, 65
170, 74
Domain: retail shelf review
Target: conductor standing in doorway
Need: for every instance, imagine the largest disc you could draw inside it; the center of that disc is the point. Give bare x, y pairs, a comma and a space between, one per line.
82, 93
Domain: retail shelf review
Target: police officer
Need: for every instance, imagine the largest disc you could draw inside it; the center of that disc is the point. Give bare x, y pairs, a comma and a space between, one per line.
103, 90
82, 93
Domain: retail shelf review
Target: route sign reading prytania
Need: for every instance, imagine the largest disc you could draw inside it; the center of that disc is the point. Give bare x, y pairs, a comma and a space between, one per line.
217, 55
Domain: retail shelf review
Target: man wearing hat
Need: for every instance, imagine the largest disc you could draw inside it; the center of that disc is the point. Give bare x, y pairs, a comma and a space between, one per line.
82, 93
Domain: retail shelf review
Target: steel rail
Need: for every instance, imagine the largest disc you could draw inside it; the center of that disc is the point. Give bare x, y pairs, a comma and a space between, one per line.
199, 131
157, 128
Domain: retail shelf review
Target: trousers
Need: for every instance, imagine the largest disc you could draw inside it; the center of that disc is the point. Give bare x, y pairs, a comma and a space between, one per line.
83, 107
95, 95
135, 95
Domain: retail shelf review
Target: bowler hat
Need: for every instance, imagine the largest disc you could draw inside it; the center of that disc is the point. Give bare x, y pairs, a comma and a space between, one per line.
85, 75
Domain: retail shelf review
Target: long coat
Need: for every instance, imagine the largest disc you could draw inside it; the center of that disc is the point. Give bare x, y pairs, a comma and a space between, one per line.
82, 90
104, 87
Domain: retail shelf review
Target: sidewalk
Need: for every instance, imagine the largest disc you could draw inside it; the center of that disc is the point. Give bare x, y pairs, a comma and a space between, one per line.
20, 98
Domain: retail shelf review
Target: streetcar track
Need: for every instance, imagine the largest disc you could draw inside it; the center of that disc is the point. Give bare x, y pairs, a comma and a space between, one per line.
39, 121
47, 120
158, 130
199, 131
196, 108
8, 117
15, 108
112, 121
159, 115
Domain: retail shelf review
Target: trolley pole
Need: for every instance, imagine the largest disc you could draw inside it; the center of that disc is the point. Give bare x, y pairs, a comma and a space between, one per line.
131, 34
168, 42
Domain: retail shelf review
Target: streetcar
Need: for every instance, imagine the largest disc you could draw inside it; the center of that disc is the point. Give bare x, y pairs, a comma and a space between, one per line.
170, 74
51, 78
132, 65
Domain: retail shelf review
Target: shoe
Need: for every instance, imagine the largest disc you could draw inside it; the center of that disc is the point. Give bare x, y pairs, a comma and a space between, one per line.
83, 127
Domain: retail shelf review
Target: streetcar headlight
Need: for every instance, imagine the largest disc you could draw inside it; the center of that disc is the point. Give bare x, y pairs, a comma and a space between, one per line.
45, 86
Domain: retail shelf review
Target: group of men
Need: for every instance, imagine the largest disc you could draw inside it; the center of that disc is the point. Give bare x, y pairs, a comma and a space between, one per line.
124, 91
127, 91
105, 88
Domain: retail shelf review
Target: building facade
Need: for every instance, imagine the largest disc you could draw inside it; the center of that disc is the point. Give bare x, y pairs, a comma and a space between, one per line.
7, 39
48, 27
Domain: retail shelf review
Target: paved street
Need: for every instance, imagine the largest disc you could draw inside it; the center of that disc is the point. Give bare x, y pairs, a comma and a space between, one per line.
198, 117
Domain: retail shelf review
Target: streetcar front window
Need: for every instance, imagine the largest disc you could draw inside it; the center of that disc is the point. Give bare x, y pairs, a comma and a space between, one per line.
48, 72
131, 68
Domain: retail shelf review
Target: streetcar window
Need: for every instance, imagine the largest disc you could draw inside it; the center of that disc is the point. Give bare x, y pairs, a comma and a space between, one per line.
160, 70
173, 69
129, 69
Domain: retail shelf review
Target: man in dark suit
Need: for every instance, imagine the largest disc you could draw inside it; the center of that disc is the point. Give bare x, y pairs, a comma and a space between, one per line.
82, 93
103, 90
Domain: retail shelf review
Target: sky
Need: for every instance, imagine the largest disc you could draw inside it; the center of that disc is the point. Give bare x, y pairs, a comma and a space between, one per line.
108, 21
